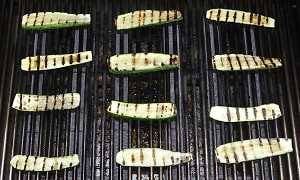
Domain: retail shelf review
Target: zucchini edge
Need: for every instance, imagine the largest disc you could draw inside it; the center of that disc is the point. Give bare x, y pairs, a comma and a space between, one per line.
167, 119
130, 72
54, 26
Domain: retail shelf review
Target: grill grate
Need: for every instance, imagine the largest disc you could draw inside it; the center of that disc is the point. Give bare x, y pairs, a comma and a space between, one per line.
97, 137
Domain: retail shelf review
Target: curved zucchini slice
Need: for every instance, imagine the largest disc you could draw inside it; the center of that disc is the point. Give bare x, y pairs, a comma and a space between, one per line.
238, 114
151, 157
144, 18
54, 20
40, 63
142, 63
153, 111
241, 62
241, 17
29, 102
33, 163
253, 149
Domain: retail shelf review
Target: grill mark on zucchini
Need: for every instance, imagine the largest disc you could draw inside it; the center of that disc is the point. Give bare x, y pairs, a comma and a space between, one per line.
254, 112
238, 114
153, 156
248, 65
63, 102
172, 160
21, 102
229, 60
29, 67
234, 16
253, 62
244, 152
238, 60
228, 15
35, 63
44, 164
228, 115
78, 57
142, 156
218, 15
132, 158
246, 113
46, 61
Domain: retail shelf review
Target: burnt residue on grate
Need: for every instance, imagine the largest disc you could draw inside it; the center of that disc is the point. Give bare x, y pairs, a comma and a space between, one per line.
97, 137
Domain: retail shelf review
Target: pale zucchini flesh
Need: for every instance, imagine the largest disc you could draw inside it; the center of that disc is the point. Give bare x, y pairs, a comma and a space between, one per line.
144, 18
241, 17
54, 20
35, 163
241, 62
142, 63
151, 157
150, 111
239, 114
40, 63
35, 103
253, 149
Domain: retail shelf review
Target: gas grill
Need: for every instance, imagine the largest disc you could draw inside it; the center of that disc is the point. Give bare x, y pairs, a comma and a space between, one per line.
97, 137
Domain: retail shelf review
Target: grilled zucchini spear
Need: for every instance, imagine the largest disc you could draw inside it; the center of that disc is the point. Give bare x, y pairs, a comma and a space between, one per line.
253, 149
33, 163
54, 20
240, 62
142, 63
238, 114
29, 102
144, 18
151, 157
241, 17
154, 111
40, 63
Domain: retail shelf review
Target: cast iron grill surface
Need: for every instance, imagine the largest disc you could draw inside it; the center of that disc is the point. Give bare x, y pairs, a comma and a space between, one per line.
96, 137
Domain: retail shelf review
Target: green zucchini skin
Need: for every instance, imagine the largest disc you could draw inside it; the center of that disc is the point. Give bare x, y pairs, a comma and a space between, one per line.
140, 63
143, 111
136, 72
47, 20
53, 27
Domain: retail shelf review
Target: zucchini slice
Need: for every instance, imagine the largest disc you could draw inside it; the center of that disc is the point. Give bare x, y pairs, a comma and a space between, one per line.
142, 63
33, 163
40, 63
238, 114
241, 62
241, 17
144, 18
253, 149
54, 20
29, 102
151, 157
151, 111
